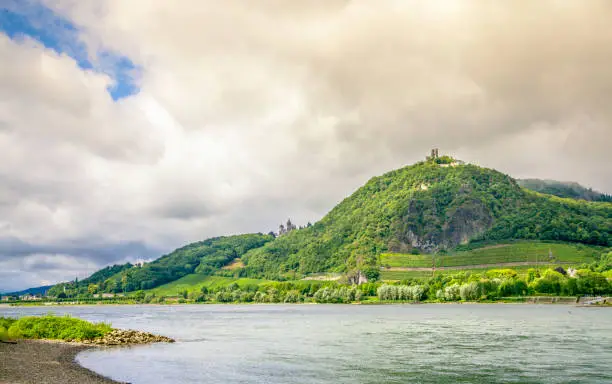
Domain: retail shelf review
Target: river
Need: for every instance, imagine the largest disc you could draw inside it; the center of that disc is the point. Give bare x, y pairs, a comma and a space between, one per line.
454, 343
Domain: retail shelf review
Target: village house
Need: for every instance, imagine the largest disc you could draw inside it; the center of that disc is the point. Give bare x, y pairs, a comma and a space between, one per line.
104, 295
28, 297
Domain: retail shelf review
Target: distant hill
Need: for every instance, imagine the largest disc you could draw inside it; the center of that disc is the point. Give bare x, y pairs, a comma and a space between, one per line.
566, 189
432, 207
31, 291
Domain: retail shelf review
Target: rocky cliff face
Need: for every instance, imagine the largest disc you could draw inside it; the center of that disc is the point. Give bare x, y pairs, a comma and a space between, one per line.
463, 224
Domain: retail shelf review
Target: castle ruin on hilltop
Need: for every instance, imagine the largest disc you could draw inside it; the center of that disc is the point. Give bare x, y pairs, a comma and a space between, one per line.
434, 154
443, 161
286, 229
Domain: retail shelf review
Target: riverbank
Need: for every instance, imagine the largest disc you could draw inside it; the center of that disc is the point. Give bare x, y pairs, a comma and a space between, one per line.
565, 300
42, 361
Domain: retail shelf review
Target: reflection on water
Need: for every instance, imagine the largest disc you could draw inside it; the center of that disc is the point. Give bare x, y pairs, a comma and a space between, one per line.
355, 344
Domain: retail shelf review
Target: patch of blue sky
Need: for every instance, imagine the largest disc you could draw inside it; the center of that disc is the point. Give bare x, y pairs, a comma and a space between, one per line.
23, 18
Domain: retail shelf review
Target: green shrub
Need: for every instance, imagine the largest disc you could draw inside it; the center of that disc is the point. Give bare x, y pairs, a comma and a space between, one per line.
293, 296
452, 292
401, 292
224, 297
14, 333
6, 322
337, 295
59, 328
469, 291
372, 273
501, 273
512, 287
3, 333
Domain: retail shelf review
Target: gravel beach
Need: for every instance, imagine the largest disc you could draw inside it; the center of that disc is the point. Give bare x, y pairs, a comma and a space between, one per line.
35, 361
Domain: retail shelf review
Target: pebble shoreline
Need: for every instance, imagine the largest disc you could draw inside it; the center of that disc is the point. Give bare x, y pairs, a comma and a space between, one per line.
53, 361
40, 361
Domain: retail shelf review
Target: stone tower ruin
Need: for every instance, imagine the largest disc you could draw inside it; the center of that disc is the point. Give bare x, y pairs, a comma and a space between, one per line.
434, 154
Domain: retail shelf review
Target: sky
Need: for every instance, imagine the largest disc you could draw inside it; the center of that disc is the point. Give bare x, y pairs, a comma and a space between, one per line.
130, 128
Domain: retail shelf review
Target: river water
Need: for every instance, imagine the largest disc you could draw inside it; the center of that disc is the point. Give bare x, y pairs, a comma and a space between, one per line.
455, 343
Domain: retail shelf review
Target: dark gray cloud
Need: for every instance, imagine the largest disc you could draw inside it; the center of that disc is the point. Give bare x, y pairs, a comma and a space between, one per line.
236, 129
101, 251
40, 269
27, 264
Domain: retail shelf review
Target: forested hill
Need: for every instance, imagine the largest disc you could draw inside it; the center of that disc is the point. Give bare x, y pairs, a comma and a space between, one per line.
30, 291
431, 206
203, 257
567, 189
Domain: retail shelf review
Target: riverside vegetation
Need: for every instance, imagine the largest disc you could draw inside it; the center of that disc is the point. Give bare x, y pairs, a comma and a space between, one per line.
490, 285
71, 329
495, 284
439, 212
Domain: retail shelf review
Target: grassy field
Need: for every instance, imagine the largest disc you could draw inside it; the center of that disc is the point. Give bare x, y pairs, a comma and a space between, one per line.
500, 253
404, 275
406, 260
195, 282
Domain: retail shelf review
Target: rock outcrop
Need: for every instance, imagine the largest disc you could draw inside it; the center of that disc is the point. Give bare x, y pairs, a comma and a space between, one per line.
423, 228
127, 337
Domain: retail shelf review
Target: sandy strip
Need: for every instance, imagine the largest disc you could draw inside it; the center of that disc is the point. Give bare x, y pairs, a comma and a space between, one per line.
41, 362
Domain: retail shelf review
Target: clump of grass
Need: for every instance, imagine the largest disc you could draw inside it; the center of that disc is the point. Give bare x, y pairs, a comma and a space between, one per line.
57, 328
5, 324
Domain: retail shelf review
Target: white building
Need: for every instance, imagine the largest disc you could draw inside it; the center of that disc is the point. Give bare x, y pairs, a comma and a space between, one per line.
28, 297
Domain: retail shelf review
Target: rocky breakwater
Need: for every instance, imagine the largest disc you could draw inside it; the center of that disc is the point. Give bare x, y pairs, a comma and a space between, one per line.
128, 337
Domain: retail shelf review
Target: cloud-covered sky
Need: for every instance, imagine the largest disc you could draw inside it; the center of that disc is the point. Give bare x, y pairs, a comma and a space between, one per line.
129, 128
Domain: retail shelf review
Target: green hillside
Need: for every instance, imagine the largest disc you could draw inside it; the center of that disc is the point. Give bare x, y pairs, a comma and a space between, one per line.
429, 207
395, 265
204, 257
566, 189
436, 207
196, 281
